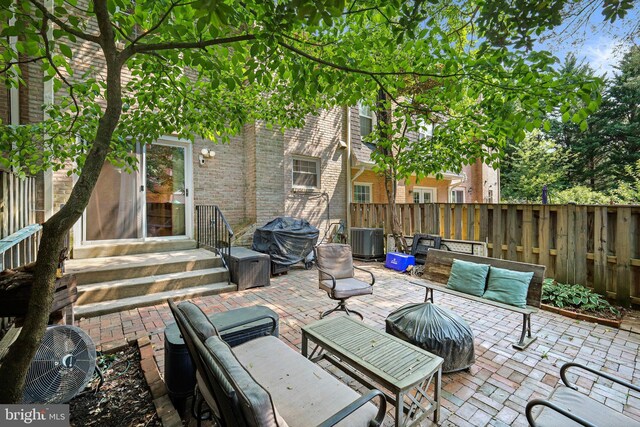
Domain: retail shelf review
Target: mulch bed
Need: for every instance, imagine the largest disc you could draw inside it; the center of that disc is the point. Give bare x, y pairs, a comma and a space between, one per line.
123, 400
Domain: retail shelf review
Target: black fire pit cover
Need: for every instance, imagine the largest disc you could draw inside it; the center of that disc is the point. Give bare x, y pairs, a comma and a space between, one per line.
437, 330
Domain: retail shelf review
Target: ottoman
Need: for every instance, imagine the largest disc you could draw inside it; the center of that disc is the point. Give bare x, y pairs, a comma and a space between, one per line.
437, 330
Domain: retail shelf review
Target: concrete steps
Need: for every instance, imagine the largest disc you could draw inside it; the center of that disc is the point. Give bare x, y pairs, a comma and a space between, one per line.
117, 289
106, 307
119, 249
107, 269
116, 283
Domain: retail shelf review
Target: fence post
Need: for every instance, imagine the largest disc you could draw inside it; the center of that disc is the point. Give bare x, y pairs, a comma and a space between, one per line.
600, 231
497, 232
562, 224
580, 245
623, 256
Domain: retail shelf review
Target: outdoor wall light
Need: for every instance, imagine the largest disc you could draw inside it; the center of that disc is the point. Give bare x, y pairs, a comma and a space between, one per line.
205, 153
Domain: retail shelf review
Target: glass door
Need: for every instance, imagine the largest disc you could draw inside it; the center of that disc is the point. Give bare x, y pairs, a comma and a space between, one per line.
166, 191
113, 211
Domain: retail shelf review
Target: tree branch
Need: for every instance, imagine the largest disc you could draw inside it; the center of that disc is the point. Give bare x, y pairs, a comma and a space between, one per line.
63, 25
160, 21
154, 47
361, 71
25, 61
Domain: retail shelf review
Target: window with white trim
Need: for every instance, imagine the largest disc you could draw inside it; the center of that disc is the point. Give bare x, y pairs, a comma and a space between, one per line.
457, 196
306, 172
366, 120
362, 193
425, 130
424, 195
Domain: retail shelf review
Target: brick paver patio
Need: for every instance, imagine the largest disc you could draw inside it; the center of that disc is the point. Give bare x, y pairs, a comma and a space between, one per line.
493, 392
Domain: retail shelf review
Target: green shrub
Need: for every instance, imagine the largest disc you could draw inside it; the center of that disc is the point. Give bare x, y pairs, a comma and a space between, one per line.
575, 296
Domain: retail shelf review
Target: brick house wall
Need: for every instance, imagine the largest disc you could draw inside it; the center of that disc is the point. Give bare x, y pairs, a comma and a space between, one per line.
318, 140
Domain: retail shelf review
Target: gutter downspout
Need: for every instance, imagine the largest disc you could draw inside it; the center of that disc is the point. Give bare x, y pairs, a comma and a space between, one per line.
357, 174
14, 92
48, 100
454, 184
347, 124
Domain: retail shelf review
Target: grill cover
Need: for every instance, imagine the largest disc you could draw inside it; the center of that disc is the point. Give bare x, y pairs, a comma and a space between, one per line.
437, 330
287, 240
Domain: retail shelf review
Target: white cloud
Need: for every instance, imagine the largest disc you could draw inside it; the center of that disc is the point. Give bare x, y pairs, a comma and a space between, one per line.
603, 54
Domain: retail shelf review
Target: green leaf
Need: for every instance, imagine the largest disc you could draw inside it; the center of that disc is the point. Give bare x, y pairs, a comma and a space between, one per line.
66, 50
584, 125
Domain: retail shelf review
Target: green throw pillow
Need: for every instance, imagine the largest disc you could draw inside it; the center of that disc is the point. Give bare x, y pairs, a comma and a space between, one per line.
508, 286
468, 277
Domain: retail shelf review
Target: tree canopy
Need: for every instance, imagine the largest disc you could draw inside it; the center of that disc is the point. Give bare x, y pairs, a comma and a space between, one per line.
599, 163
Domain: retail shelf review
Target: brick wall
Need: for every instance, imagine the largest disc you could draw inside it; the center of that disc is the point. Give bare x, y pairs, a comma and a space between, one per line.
319, 139
220, 181
4, 104
270, 173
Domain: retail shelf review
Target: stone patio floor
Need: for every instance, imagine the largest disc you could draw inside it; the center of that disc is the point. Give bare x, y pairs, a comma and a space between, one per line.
493, 392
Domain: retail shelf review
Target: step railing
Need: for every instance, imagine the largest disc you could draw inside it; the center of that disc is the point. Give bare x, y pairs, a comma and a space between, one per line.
20, 248
214, 232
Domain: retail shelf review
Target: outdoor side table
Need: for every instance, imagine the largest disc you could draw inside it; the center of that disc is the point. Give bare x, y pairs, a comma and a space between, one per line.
379, 360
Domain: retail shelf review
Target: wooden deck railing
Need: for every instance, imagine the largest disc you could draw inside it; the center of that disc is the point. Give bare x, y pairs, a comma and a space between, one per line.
17, 202
597, 246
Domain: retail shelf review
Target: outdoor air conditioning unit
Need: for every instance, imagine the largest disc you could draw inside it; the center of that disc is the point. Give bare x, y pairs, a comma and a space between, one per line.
367, 243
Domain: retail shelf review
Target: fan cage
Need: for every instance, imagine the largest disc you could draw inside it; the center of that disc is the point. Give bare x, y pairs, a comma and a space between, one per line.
62, 367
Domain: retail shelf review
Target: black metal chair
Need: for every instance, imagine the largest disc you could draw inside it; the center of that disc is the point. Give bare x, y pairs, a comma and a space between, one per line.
566, 406
337, 276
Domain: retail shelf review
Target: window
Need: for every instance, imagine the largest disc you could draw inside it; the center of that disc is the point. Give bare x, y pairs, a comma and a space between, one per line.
457, 196
306, 172
490, 196
362, 193
366, 120
425, 130
424, 195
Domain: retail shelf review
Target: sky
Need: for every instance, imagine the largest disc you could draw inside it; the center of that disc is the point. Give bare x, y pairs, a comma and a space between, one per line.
600, 44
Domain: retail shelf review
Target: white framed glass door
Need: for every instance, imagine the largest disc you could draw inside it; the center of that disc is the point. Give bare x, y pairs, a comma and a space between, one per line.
166, 190
154, 202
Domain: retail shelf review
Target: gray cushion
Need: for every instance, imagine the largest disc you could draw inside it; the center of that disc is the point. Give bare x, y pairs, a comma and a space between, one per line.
198, 321
304, 393
346, 288
583, 406
254, 401
334, 258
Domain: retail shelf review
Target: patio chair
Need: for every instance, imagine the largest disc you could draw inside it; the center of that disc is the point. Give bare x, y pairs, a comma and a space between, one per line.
566, 406
337, 276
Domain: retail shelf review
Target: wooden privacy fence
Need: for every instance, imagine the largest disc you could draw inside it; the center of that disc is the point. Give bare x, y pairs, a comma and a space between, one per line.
17, 203
597, 246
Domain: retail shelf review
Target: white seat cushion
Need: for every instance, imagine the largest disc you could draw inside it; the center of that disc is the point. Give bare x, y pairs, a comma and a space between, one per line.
584, 407
303, 393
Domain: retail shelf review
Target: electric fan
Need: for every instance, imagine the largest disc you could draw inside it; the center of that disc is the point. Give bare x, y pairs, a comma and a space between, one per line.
62, 366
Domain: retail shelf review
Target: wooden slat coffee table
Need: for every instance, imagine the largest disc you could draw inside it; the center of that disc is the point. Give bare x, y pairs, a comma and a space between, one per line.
377, 359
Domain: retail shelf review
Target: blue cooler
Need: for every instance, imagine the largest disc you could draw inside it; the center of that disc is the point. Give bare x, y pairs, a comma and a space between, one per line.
398, 261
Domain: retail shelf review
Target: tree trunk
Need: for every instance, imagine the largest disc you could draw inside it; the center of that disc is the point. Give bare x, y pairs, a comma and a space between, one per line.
390, 180
15, 364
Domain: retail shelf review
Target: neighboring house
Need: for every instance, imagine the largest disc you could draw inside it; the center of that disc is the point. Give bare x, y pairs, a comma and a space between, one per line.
477, 183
